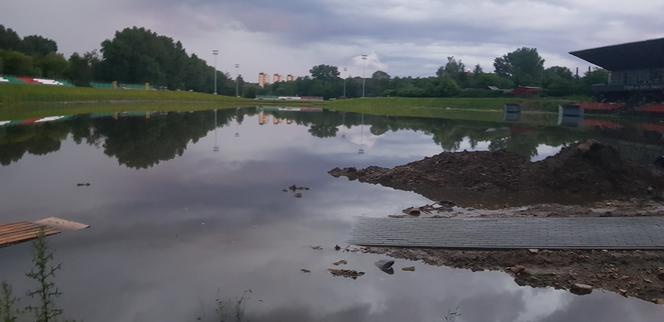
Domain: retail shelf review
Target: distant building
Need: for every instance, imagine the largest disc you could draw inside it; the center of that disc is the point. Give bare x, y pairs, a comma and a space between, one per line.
527, 91
263, 79
636, 70
276, 78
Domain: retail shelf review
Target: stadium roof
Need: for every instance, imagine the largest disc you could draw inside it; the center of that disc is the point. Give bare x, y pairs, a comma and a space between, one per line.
645, 54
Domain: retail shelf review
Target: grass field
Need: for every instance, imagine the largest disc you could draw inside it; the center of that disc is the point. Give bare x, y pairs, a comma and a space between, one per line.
389, 103
11, 94
29, 101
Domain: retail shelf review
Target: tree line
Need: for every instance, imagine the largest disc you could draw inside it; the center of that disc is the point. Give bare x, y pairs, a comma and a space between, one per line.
134, 56
138, 55
522, 67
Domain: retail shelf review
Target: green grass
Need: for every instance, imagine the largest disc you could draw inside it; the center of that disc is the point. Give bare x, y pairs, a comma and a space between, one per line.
10, 94
26, 111
31, 101
396, 103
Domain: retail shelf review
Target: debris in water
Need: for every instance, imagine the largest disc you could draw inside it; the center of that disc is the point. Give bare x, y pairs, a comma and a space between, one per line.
340, 262
304, 270
294, 188
408, 269
316, 247
86, 184
581, 289
397, 216
436, 207
345, 273
385, 266
337, 247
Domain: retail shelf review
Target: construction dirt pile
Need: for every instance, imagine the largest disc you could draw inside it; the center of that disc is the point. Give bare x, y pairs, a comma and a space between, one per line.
586, 180
588, 172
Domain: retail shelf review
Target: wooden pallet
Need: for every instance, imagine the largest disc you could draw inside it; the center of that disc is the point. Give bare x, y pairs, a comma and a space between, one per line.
23, 231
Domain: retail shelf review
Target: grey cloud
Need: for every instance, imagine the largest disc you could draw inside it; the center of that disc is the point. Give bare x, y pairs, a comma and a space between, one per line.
332, 31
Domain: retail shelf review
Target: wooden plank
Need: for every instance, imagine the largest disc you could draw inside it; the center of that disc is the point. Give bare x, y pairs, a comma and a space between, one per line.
26, 236
30, 231
23, 231
10, 227
23, 238
19, 231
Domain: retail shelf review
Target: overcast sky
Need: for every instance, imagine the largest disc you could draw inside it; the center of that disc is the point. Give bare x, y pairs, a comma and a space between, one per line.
402, 37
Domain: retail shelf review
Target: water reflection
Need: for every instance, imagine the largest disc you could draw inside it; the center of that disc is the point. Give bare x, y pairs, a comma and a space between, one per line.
142, 140
166, 237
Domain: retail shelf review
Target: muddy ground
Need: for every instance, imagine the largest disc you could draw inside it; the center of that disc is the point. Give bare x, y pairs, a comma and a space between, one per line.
588, 172
637, 274
590, 179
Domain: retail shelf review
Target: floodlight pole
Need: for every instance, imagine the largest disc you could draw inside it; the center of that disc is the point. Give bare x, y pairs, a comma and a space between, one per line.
364, 78
215, 52
345, 76
237, 78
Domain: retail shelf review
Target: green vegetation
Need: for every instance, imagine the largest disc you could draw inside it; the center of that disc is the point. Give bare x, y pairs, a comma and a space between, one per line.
388, 105
133, 56
43, 93
43, 272
138, 55
8, 311
44, 295
28, 101
522, 67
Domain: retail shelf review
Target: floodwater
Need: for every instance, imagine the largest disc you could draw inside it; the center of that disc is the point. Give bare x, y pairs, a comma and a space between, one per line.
186, 208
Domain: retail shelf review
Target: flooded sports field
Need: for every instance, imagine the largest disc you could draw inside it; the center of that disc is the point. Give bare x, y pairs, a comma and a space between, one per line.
232, 212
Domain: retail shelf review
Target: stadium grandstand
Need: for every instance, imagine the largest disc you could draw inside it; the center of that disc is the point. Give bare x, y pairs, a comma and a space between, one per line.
636, 71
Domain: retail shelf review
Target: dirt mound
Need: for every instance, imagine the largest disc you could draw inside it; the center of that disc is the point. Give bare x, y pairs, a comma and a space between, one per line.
588, 172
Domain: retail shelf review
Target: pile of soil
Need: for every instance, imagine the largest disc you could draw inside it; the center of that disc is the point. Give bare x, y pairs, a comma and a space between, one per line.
637, 274
588, 172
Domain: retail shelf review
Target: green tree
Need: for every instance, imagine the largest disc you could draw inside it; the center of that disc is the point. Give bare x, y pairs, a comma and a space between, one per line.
250, 92
36, 45
52, 65
324, 72
453, 69
523, 66
447, 87
490, 79
9, 39
478, 70
596, 76
16, 63
560, 81
380, 75
558, 72
81, 69
138, 55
